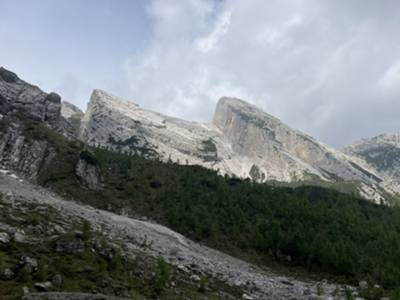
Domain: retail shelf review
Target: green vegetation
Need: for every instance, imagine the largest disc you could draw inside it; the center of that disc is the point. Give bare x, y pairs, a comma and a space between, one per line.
163, 275
315, 229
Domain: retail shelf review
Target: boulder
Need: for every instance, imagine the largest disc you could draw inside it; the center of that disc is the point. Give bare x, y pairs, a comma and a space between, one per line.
30, 263
19, 237
70, 246
4, 238
43, 286
363, 284
195, 277
7, 274
57, 280
25, 290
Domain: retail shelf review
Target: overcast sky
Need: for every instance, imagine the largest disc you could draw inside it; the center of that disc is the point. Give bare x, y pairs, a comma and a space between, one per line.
330, 68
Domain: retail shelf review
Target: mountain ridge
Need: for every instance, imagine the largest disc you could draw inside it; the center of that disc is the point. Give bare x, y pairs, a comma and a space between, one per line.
241, 140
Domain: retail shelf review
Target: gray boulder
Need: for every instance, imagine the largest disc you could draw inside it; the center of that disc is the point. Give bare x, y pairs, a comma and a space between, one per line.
7, 274
57, 280
70, 246
4, 238
43, 286
28, 262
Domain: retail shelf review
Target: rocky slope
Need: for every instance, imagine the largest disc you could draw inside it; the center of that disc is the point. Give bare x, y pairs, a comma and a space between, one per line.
191, 260
382, 154
242, 140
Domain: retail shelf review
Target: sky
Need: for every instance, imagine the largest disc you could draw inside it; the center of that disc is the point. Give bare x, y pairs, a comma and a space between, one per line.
328, 68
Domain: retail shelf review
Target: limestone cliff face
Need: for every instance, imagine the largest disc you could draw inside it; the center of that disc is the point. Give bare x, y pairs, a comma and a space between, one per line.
256, 134
381, 153
123, 126
241, 140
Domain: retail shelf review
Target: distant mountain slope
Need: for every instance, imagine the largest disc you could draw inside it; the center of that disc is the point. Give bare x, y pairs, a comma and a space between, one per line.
242, 140
382, 153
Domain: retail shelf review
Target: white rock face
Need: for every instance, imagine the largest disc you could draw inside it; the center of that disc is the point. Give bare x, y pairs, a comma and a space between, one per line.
277, 147
124, 126
241, 140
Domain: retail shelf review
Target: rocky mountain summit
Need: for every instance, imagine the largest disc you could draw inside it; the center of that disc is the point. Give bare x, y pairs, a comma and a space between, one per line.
17, 95
241, 140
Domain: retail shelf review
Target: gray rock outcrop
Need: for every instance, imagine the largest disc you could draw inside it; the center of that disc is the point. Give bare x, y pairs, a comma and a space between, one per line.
17, 95
88, 174
21, 102
382, 154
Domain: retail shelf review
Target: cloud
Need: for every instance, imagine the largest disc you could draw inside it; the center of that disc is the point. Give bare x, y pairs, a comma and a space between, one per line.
391, 78
329, 68
211, 40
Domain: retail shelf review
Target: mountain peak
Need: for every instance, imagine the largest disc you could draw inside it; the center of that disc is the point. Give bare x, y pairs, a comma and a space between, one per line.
103, 98
229, 108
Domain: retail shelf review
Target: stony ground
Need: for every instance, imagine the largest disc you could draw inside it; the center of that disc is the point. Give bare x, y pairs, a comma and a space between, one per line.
189, 257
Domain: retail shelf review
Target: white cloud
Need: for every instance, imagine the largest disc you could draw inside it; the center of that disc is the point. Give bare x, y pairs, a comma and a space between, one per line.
317, 65
209, 42
391, 78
